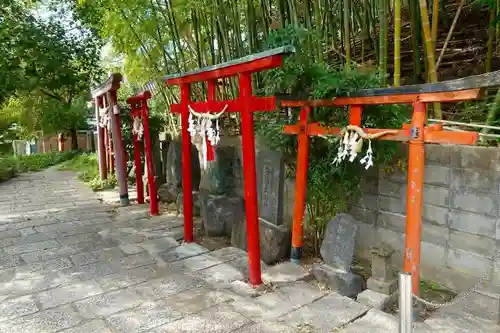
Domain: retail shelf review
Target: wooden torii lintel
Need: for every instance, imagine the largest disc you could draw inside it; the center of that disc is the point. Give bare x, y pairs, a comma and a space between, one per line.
416, 134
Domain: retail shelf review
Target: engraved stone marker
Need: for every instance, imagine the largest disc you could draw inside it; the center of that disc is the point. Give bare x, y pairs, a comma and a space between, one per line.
270, 186
337, 249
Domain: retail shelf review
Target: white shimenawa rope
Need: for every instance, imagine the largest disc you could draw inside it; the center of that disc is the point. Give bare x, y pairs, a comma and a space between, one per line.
138, 127
104, 115
202, 124
352, 143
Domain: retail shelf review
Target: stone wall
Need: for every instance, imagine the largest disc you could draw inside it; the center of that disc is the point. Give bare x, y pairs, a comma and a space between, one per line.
461, 228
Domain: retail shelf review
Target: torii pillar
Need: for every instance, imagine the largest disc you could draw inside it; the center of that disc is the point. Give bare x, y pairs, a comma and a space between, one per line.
105, 95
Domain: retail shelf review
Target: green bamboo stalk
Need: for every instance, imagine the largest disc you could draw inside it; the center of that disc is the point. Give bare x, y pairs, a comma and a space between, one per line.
382, 40
397, 43
491, 36
415, 38
431, 61
347, 35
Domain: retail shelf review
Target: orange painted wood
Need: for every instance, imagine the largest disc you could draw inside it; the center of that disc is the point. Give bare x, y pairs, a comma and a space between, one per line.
431, 134
257, 104
415, 189
248, 67
454, 96
355, 115
301, 182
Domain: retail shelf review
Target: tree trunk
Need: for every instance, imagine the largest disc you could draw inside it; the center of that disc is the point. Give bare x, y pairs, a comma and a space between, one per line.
74, 139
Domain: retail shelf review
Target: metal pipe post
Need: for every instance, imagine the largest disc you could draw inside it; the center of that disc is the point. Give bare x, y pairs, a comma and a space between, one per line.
405, 303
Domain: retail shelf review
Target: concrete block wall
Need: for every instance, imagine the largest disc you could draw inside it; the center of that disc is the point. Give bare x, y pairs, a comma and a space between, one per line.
461, 228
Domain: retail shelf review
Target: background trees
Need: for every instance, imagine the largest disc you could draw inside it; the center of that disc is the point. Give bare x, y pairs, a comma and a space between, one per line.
47, 69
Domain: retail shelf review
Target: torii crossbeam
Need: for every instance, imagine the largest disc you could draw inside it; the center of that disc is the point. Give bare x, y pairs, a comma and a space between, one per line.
415, 134
246, 103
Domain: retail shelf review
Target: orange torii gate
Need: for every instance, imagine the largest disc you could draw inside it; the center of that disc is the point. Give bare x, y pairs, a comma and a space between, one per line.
415, 134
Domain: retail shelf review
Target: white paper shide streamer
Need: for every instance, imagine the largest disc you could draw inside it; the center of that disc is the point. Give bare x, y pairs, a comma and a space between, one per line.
351, 145
138, 127
203, 124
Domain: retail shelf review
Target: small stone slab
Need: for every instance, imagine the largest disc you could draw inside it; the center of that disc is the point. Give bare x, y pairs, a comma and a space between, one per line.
289, 298
132, 212
384, 287
345, 283
218, 319
147, 316
159, 245
458, 323
284, 273
182, 252
241, 264
222, 274
375, 321
267, 327
337, 249
243, 289
199, 262
130, 277
107, 304
228, 253
195, 300
93, 326
375, 299
17, 307
31, 247
48, 321
167, 286
326, 314
67, 294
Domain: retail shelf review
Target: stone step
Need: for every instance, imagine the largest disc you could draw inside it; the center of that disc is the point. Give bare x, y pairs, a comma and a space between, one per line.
326, 314
447, 322
477, 305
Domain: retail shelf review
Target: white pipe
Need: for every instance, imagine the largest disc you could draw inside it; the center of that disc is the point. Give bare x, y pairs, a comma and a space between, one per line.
480, 134
464, 124
405, 303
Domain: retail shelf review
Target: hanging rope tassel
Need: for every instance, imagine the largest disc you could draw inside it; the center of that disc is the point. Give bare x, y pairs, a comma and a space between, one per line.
205, 128
351, 145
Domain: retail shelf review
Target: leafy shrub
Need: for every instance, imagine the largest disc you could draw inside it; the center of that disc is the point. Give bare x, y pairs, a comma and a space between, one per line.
87, 167
10, 165
331, 188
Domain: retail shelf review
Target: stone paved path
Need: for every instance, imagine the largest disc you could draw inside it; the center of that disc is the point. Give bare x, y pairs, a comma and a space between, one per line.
69, 264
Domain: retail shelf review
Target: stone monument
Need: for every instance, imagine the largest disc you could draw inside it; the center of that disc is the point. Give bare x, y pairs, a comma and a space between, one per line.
170, 191
274, 234
221, 207
337, 250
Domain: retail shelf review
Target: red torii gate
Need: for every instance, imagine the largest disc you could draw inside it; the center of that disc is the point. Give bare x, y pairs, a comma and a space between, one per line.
139, 110
416, 134
105, 96
246, 103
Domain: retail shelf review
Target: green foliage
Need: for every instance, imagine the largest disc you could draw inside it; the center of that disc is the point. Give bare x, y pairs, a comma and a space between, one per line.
331, 188
87, 167
10, 165
47, 69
